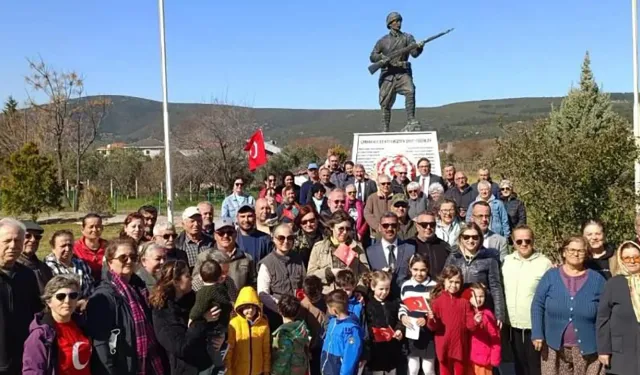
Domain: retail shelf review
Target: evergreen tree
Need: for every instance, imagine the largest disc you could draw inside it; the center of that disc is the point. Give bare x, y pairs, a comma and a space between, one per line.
574, 166
10, 107
29, 185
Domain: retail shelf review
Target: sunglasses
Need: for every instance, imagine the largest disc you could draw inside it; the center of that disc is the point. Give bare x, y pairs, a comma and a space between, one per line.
467, 237
72, 296
169, 235
228, 233
343, 229
385, 183
239, 184
412, 191
285, 238
307, 222
402, 173
29, 236
427, 224
337, 201
505, 189
271, 180
389, 225
351, 192
124, 258
526, 241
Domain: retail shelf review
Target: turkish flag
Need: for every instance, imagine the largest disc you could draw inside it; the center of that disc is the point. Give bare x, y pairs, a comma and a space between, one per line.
416, 303
384, 334
257, 152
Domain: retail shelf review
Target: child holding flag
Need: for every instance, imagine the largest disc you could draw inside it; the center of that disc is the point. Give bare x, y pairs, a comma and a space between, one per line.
415, 294
485, 340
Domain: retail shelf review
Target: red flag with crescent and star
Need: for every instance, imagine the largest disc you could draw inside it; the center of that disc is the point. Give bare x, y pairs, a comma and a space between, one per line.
256, 149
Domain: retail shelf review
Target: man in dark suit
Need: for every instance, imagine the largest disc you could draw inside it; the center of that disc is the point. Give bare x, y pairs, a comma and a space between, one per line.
390, 253
425, 178
364, 186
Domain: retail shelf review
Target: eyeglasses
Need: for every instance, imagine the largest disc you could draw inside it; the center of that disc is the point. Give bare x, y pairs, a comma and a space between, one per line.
468, 237
412, 191
424, 166
29, 236
338, 201
427, 224
389, 225
343, 229
290, 238
72, 296
169, 236
227, 233
124, 258
307, 222
631, 260
448, 211
351, 192
385, 183
576, 251
526, 241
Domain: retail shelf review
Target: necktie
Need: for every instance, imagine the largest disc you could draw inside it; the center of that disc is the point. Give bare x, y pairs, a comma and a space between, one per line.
392, 257
359, 195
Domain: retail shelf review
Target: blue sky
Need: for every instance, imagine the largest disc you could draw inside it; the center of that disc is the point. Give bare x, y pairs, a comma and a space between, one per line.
300, 54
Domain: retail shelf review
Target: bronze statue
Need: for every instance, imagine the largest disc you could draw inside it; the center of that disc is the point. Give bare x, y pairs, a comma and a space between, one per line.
391, 54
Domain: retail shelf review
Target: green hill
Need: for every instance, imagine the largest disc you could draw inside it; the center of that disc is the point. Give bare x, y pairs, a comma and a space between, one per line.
131, 119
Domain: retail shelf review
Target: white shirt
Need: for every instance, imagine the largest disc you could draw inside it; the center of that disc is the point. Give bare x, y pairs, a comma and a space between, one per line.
385, 249
424, 183
360, 189
264, 289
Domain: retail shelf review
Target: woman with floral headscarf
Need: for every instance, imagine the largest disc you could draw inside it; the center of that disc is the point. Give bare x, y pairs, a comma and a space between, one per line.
618, 328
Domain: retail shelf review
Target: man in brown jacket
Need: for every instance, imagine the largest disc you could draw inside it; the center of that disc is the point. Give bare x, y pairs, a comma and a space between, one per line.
378, 203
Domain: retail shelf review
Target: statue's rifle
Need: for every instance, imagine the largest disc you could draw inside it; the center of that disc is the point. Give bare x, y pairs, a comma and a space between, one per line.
382, 63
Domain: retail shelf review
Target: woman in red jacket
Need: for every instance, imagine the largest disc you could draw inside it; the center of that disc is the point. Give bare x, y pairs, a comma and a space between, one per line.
451, 319
90, 247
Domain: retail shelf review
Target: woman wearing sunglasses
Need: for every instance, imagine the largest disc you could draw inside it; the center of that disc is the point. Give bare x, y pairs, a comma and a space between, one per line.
326, 261
479, 265
280, 273
619, 314
119, 317
57, 342
308, 232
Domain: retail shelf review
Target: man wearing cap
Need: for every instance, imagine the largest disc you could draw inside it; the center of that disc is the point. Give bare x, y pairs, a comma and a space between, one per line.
400, 207
251, 240
192, 240
29, 257
305, 189
242, 268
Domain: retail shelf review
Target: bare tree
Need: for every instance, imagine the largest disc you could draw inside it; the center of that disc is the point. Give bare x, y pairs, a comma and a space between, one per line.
86, 117
219, 131
67, 116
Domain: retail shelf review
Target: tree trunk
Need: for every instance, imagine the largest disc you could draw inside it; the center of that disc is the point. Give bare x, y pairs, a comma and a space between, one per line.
60, 167
76, 196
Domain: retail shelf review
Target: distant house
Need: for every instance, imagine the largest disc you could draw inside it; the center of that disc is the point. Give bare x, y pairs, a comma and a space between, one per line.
149, 147
271, 148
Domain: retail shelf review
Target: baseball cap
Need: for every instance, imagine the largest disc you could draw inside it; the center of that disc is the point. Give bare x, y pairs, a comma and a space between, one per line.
399, 198
246, 208
190, 212
32, 226
226, 222
312, 166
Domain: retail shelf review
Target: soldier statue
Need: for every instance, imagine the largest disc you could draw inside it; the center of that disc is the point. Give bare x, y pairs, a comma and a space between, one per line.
396, 76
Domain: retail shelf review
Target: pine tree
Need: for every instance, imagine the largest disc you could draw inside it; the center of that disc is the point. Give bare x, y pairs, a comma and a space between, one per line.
10, 107
30, 185
574, 166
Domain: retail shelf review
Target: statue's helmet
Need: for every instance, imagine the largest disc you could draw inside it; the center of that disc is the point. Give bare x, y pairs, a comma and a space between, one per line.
393, 16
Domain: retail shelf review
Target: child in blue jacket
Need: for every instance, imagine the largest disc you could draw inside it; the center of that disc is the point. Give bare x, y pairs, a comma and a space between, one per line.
346, 280
343, 339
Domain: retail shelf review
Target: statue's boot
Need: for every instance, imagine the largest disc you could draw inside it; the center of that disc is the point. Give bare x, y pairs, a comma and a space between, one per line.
386, 119
410, 107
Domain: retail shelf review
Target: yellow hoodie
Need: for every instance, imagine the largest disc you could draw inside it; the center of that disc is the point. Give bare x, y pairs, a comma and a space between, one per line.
249, 345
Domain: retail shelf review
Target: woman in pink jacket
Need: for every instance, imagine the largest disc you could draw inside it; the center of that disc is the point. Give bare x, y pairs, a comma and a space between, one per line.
355, 209
485, 340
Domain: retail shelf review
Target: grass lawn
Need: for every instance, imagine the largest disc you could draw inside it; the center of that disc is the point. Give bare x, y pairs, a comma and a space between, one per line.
110, 231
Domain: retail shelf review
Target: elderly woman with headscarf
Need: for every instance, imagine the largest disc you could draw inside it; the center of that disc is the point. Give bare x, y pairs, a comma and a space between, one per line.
436, 195
417, 200
617, 324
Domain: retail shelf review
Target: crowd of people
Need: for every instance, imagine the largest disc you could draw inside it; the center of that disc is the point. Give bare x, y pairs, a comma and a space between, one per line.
342, 275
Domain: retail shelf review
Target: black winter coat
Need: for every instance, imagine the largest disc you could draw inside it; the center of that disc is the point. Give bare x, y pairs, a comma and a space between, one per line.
436, 251
483, 268
617, 329
109, 316
186, 347
19, 302
515, 211
382, 356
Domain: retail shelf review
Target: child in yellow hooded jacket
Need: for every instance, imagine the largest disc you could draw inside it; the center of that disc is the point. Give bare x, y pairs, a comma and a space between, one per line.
249, 351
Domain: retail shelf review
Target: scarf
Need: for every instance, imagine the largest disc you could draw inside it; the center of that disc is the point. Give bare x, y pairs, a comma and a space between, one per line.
632, 279
146, 344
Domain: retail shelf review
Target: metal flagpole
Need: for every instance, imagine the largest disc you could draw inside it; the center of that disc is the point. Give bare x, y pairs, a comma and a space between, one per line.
165, 115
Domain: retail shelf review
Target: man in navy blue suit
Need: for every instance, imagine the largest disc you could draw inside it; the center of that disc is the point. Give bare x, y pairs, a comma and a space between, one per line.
390, 253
